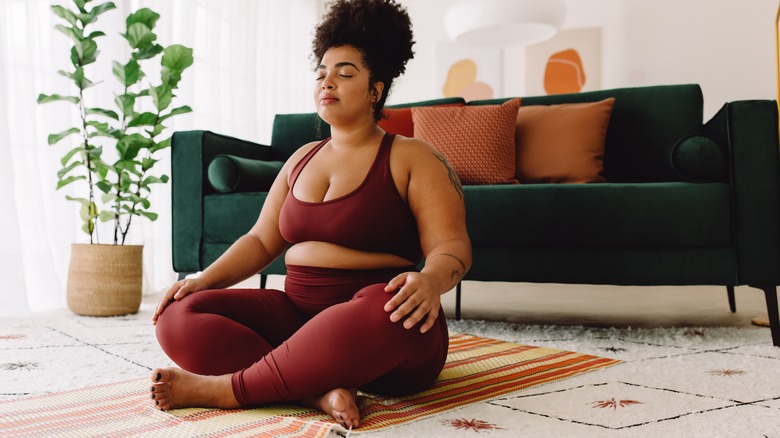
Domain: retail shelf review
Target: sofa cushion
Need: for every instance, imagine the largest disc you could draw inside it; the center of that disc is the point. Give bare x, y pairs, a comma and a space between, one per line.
645, 122
229, 173
643, 215
562, 143
697, 159
479, 142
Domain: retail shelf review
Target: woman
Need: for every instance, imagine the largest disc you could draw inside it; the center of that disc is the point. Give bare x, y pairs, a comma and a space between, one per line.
357, 213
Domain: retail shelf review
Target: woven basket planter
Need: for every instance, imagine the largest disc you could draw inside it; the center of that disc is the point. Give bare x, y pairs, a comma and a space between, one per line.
105, 280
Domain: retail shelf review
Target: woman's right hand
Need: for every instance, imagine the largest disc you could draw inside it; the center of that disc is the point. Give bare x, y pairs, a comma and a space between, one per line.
179, 290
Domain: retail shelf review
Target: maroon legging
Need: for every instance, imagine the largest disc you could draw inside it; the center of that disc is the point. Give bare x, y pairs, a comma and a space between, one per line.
328, 330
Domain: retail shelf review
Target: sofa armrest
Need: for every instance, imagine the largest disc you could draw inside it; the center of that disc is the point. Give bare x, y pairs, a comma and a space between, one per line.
750, 129
191, 153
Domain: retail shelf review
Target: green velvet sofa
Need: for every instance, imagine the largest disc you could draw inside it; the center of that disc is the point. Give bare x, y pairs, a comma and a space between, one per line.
685, 202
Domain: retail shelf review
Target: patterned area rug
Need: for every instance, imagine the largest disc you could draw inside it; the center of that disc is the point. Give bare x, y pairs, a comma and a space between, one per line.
672, 382
477, 369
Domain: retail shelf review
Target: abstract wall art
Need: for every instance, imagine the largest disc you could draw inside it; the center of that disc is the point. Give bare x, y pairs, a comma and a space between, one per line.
469, 72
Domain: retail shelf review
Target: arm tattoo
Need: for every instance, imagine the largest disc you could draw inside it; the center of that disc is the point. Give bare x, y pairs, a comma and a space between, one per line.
456, 275
454, 180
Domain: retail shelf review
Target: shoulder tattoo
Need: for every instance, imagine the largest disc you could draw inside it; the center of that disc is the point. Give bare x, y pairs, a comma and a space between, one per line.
454, 180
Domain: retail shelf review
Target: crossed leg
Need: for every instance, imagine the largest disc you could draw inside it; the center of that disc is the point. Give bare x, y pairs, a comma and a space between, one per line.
352, 345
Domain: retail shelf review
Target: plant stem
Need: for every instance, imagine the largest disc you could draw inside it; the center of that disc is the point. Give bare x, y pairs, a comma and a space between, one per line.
87, 155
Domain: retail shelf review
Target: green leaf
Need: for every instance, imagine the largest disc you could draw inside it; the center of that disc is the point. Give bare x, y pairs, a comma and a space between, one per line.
65, 170
148, 163
148, 214
81, 4
176, 111
66, 14
99, 9
104, 186
139, 200
85, 18
96, 34
81, 201
101, 168
88, 227
128, 148
139, 35
127, 74
74, 33
176, 58
67, 157
98, 125
74, 57
160, 145
81, 81
161, 96
144, 15
68, 180
102, 112
148, 52
108, 197
125, 103
106, 216
143, 119
96, 153
154, 180
87, 51
114, 133
157, 130
54, 138
88, 211
46, 98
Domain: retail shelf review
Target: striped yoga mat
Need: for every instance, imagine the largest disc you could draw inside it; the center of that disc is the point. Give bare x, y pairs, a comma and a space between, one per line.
477, 369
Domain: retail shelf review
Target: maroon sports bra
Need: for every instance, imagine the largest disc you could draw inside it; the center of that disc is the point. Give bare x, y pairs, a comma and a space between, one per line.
371, 218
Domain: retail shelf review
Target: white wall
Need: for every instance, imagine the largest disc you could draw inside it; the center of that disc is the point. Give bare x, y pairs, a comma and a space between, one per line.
726, 46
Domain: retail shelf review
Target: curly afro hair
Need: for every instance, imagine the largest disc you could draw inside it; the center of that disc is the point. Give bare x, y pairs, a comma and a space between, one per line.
380, 29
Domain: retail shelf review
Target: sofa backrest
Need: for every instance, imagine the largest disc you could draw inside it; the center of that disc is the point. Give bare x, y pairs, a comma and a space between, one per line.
645, 123
291, 131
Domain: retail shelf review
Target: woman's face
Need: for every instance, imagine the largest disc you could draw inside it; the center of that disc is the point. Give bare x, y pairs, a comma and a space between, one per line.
342, 94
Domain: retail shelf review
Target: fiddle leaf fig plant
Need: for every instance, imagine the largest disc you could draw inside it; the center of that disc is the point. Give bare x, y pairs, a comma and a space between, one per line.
117, 147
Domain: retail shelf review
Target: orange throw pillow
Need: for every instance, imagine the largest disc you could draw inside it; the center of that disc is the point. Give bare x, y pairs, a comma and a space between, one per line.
562, 143
478, 141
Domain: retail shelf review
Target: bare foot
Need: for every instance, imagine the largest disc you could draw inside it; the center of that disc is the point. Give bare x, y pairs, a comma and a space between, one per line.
340, 403
174, 388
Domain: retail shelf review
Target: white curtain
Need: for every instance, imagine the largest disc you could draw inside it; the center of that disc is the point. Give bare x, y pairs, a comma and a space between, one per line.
251, 62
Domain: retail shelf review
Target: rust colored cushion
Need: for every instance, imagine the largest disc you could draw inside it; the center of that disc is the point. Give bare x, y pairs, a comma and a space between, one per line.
398, 121
562, 143
478, 141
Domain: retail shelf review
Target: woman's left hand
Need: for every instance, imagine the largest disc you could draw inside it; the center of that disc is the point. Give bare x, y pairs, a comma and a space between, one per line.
416, 296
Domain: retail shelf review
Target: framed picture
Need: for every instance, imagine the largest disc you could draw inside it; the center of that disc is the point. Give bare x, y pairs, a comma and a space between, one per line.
469, 72
570, 62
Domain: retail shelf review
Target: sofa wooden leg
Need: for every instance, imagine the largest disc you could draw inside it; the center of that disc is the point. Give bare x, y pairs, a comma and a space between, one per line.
263, 281
182, 275
771, 307
457, 300
732, 299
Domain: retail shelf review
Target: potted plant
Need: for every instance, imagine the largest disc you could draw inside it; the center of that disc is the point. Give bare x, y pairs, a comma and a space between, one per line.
116, 152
